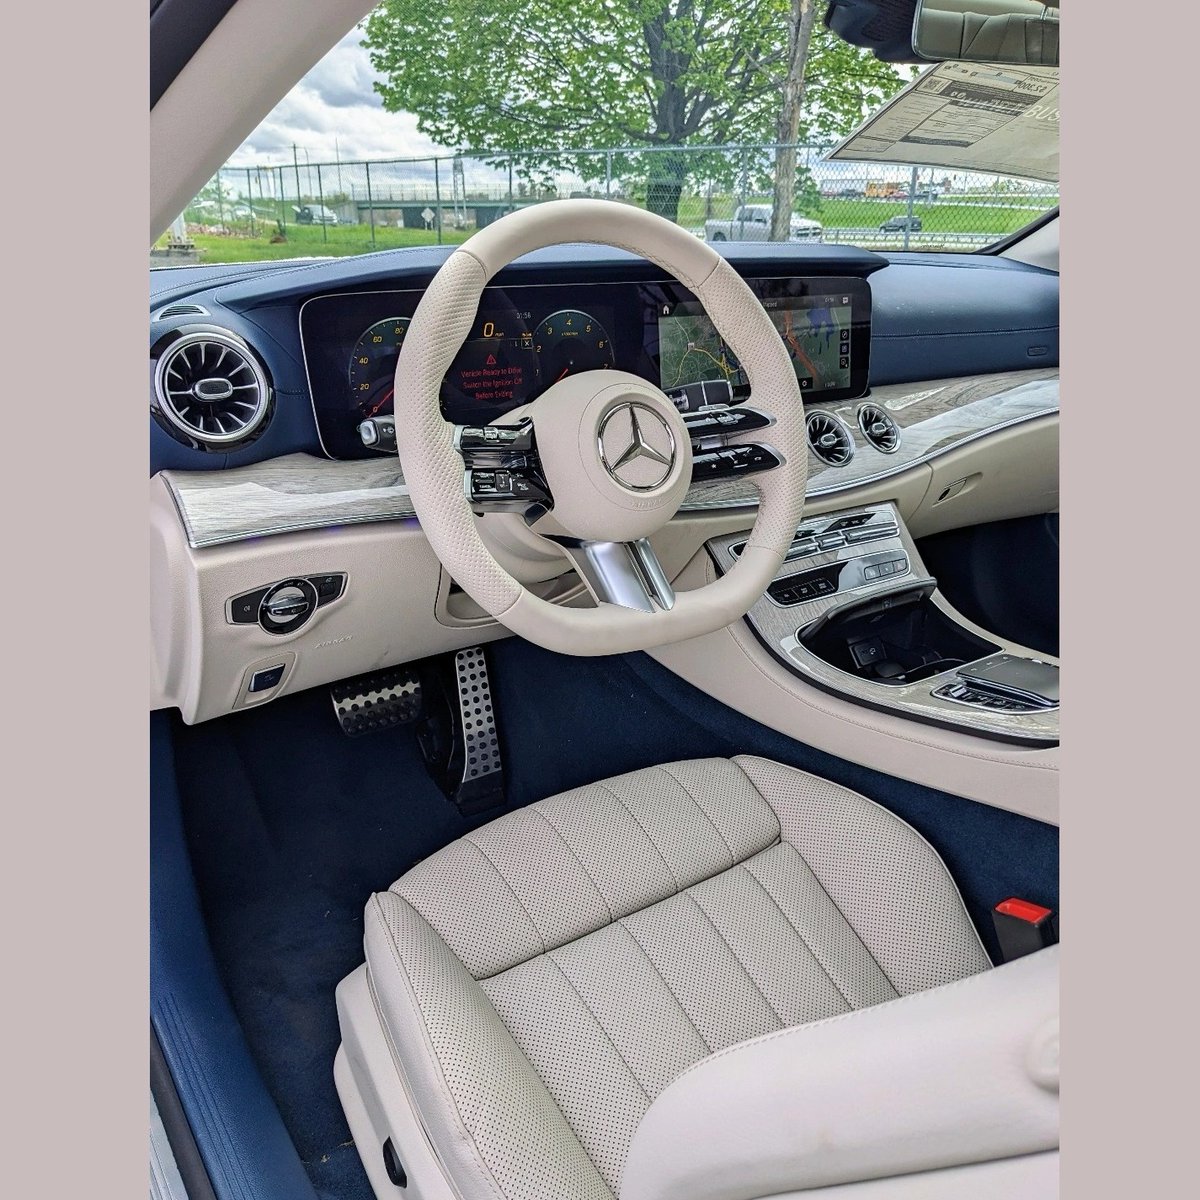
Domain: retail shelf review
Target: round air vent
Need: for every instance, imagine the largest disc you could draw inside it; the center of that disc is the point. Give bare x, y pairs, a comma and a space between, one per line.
879, 429
209, 390
829, 439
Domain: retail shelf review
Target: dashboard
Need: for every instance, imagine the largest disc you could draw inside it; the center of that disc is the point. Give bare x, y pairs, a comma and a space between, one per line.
928, 382
526, 338
294, 327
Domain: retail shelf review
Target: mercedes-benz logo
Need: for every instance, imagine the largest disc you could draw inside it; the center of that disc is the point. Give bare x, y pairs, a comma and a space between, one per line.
637, 446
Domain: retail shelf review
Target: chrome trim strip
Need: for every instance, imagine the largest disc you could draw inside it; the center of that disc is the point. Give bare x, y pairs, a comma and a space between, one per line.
166, 1183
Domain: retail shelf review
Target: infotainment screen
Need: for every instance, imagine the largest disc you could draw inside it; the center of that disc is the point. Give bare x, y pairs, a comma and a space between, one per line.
824, 331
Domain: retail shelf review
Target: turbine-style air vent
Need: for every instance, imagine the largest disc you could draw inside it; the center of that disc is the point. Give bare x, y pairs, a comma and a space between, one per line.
180, 310
209, 388
829, 439
879, 429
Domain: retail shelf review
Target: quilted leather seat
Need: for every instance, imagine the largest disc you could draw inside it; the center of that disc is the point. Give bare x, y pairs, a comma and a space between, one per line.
541, 980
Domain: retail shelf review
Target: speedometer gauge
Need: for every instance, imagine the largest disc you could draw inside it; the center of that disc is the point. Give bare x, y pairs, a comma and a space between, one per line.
373, 366
570, 341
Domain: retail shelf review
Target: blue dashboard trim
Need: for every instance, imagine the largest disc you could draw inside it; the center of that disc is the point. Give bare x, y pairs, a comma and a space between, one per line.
934, 316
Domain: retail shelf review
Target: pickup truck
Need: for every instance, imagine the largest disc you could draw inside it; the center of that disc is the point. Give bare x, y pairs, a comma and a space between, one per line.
752, 223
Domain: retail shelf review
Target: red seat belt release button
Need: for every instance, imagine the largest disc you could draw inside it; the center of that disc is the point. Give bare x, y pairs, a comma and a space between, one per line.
1023, 927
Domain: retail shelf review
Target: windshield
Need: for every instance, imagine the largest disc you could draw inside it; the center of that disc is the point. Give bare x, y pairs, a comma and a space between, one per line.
740, 121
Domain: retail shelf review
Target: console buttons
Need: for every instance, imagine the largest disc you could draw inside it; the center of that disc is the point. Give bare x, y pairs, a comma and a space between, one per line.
978, 698
329, 587
850, 522
243, 609
264, 681
854, 536
732, 461
831, 541
890, 566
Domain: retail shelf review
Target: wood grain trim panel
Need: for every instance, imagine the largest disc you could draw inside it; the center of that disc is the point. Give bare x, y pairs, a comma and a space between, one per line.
302, 491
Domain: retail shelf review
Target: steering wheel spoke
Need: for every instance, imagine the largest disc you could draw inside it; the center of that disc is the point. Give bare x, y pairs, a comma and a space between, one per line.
627, 574
501, 469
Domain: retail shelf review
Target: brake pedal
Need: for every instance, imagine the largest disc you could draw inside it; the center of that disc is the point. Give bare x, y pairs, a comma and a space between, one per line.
459, 736
377, 700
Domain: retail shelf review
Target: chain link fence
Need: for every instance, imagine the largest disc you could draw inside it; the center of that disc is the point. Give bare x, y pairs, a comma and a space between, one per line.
717, 192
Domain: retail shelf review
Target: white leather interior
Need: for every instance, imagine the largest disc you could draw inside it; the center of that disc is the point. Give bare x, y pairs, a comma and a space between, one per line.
542, 981
945, 1078
433, 469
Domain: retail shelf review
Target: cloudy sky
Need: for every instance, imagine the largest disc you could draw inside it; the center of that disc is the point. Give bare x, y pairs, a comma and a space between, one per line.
333, 113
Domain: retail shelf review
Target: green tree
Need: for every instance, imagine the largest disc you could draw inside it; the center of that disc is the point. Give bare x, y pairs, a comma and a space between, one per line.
559, 75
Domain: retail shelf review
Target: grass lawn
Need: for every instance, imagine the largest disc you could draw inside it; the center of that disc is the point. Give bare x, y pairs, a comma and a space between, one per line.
980, 215
942, 216
308, 240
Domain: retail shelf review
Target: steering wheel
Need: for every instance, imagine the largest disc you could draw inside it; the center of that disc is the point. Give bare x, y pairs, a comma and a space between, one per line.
603, 458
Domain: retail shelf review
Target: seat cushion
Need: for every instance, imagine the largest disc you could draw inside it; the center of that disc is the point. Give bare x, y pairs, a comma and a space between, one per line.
542, 979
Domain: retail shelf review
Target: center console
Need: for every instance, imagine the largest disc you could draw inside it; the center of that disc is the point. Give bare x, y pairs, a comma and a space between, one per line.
854, 611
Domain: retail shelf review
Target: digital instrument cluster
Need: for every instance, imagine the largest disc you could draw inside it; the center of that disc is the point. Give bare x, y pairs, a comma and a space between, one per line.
508, 358
524, 339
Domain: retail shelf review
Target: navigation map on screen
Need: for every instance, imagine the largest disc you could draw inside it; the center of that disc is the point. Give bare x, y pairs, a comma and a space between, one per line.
815, 330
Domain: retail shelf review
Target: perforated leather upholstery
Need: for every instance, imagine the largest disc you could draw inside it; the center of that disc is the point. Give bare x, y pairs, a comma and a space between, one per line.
543, 979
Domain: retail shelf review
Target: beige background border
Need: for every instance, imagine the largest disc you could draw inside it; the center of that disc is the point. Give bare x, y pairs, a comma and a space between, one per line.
75, 799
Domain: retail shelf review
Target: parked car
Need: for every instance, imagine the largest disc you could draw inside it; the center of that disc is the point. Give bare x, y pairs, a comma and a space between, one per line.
900, 224
752, 223
315, 214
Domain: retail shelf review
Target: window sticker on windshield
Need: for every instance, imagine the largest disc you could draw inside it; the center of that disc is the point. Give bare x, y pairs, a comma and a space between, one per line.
970, 116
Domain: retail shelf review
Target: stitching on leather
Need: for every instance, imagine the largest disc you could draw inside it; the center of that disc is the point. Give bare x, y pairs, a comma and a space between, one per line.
911, 998
465, 1135
503, 879
612, 916
808, 945
645, 834
853, 928
920, 837
550, 1093
733, 861
670, 990
600, 1025
733, 952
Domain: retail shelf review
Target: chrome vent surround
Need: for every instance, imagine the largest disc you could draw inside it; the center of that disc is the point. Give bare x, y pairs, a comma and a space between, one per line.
180, 310
829, 439
209, 387
879, 429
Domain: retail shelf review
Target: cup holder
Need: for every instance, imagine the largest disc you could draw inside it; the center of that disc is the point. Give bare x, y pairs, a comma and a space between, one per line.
894, 640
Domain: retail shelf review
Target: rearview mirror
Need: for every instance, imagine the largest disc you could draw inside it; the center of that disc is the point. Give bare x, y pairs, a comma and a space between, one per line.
1020, 32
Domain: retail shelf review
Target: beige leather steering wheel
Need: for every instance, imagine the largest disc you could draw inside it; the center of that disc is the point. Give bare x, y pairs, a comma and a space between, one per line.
606, 451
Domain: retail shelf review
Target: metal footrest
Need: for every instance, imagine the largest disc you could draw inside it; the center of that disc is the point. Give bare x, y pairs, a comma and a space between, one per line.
459, 737
377, 700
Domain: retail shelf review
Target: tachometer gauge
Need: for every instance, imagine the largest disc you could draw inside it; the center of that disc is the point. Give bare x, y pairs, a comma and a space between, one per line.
568, 342
373, 366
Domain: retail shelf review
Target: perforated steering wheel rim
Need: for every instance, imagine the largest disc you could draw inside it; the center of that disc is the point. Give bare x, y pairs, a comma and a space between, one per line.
434, 468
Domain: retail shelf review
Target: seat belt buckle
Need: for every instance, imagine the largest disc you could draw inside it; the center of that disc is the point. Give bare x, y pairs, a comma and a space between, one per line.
1023, 927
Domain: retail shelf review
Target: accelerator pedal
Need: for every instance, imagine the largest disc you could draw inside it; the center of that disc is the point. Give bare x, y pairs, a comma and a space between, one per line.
377, 700
459, 736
